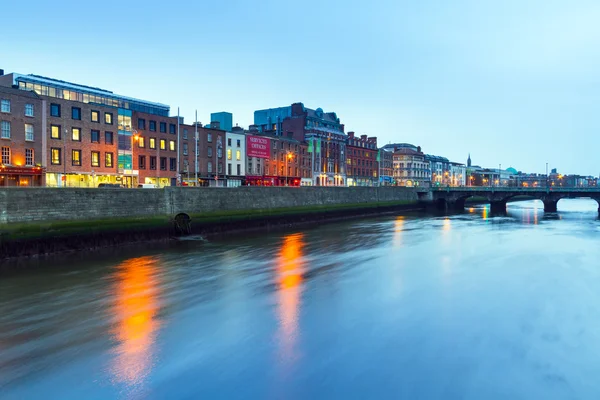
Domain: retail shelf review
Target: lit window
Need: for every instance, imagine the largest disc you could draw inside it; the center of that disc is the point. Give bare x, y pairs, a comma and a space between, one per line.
6, 155
95, 158
5, 130
238, 155
55, 153
29, 157
76, 158
95, 116
29, 110
29, 132
163, 144
108, 118
55, 132
76, 134
108, 160
141, 143
152, 143
172, 145
229, 154
5, 108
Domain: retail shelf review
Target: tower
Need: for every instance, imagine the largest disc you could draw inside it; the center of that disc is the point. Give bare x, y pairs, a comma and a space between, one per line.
469, 161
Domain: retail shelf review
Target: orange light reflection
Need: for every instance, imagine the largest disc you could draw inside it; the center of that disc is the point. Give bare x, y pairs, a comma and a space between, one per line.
135, 311
289, 270
398, 230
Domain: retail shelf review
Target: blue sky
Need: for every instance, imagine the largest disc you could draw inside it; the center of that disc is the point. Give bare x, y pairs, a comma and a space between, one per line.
511, 82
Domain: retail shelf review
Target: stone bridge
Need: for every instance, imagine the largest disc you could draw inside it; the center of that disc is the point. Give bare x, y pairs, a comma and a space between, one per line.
454, 198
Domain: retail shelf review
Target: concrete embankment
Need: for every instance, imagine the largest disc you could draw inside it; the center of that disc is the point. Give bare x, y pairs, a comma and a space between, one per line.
37, 221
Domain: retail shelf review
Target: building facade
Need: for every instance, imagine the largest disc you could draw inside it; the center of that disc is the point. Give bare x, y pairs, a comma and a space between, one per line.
22, 135
458, 174
207, 165
438, 170
323, 133
362, 166
410, 167
225, 120
235, 151
386, 167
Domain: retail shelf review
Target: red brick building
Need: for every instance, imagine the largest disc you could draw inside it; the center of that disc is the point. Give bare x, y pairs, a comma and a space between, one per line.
211, 155
22, 127
362, 164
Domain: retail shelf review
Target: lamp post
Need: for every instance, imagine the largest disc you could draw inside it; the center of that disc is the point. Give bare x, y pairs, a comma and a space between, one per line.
288, 157
134, 138
65, 158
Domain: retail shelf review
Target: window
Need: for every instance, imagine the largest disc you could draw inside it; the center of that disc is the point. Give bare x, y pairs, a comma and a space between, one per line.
152, 143
172, 129
229, 169
55, 132
163, 144
185, 149
238, 144
209, 152
29, 157
5, 130
142, 162
163, 127
55, 156
141, 123
108, 138
229, 142
152, 162
28, 132
238, 155
209, 167
209, 137
141, 143
5, 108
6, 155
95, 116
185, 135
220, 152
163, 163
220, 168
108, 118
108, 160
55, 110
152, 126
172, 145
76, 158
172, 164
76, 113
29, 110
95, 158
95, 136
76, 134
239, 170
229, 154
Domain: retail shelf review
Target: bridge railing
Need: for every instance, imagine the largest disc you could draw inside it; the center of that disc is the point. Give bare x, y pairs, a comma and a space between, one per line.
514, 189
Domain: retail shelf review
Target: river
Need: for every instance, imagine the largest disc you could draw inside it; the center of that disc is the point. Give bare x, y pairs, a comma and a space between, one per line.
467, 306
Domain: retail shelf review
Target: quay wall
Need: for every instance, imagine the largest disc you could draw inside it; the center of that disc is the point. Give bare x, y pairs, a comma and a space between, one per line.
30, 205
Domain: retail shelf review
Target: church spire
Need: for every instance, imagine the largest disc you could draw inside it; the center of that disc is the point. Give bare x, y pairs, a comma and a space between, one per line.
469, 160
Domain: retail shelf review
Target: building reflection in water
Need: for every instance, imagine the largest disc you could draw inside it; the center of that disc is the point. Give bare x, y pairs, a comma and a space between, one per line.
289, 277
135, 322
398, 231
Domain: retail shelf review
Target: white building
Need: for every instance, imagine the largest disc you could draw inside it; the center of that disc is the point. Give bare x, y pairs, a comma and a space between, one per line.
458, 174
235, 163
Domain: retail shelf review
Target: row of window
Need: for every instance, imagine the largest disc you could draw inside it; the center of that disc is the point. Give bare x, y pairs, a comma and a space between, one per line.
5, 107
141, 141
5, 131
76, 135
56, 158
162, 126
360, 162
55, 111
163, 163
363, 172
7, 159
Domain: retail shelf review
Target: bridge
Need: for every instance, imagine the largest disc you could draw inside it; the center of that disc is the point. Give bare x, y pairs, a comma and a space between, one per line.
446, 198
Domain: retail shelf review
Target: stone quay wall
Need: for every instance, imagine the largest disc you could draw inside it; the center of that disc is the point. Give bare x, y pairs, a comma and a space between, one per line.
33, 205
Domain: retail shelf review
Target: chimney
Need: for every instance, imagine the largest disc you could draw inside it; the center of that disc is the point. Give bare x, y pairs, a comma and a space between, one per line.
351, 135
363, 137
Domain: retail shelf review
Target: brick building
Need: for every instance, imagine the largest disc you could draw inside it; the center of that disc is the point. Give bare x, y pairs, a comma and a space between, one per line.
323, 133
88, 131
362, 165
210, 160
22, 124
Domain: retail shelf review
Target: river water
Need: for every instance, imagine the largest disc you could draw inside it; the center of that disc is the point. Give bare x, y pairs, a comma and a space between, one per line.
468, 306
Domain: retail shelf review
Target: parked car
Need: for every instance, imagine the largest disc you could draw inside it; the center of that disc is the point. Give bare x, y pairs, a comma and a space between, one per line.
110, 185
147, 186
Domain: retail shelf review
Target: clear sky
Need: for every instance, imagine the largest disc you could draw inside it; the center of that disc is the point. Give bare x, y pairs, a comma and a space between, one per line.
514, 82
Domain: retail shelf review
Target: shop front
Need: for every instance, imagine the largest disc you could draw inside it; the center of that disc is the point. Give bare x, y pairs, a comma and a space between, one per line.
89, 180
21, 176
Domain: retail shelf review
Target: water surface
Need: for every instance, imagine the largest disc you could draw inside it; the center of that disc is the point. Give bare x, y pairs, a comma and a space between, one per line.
469, 306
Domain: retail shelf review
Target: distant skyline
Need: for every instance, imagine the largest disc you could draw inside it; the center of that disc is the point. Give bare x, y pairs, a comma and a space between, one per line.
513, 83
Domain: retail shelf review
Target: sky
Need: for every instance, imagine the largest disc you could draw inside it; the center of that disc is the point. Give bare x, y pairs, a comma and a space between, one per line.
514, 82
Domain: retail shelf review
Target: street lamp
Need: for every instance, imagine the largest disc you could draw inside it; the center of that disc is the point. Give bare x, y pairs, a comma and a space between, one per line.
288, 157
134, 138
65, 158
